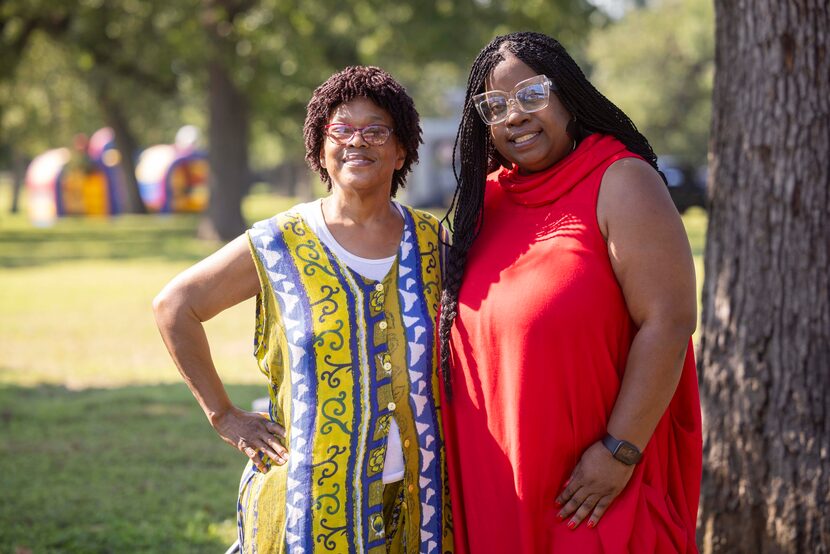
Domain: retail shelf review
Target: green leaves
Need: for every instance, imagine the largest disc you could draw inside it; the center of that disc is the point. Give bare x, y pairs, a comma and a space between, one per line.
151, 56
657, 64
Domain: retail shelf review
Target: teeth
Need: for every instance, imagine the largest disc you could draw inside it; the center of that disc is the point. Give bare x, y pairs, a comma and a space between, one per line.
524, 138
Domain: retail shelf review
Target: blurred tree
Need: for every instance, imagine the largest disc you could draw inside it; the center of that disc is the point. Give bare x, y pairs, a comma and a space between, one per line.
104, 50
19, 20
765, 383
256, 62
109, 41
273, 53
662, 78
15, 34
229, 122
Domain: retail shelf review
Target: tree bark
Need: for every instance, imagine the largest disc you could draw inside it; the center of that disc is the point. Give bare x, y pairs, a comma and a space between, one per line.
230, 174
765, 364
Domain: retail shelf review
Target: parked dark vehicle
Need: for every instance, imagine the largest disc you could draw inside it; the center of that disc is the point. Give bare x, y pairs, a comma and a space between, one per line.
687, 183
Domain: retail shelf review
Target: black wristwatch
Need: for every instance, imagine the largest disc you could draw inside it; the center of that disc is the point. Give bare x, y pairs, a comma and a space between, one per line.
623, 451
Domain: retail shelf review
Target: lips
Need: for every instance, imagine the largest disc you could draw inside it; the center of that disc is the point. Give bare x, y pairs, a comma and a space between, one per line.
357, 159
523, 137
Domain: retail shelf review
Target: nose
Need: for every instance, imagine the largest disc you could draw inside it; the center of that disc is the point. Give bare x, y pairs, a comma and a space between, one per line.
357, 139
515, 115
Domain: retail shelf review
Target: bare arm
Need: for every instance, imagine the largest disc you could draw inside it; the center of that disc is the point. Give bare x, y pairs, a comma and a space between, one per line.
218, 282
652, 261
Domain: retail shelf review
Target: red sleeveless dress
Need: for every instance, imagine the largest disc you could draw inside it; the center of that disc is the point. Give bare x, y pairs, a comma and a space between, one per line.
539, 349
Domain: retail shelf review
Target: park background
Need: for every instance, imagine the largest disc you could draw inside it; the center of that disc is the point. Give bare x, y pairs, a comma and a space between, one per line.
102, 448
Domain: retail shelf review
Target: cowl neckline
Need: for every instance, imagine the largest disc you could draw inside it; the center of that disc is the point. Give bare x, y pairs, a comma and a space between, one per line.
547, 186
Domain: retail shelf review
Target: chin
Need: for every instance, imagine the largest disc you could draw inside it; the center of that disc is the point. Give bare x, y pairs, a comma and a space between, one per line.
362, 184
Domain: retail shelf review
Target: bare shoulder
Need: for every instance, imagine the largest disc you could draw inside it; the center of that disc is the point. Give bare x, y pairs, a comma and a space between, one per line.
632, 191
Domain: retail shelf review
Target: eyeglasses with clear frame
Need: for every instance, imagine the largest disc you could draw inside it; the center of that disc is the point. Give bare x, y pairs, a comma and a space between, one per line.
530, 95
342, 133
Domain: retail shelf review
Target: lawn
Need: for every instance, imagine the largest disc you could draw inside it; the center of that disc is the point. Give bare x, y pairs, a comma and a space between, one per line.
103, 449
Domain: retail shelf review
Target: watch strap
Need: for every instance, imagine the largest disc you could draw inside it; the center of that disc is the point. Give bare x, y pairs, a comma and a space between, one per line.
613, 444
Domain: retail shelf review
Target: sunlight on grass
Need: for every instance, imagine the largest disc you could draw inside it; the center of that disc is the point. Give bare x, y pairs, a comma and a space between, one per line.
104, 449
75, 299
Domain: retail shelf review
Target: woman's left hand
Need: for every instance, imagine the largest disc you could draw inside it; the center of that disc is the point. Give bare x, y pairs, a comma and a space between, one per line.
595, 482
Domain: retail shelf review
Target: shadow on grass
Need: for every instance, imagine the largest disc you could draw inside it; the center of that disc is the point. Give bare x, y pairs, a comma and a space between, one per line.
132, 469
170, 238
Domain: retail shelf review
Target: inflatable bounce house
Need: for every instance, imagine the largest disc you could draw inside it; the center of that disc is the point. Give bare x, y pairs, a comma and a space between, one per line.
173, 177
83, 180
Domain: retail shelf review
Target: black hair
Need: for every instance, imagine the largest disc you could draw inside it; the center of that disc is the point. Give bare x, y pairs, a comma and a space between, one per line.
592, 113
362, 82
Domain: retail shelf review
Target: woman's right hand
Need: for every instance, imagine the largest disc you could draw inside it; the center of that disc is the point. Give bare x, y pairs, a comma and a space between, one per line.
252, 433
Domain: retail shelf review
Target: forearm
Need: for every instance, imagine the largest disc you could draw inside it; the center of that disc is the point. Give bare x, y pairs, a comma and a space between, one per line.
186, 340
652, 372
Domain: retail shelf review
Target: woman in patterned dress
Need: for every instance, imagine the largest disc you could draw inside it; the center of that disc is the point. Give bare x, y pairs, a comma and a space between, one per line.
350, 456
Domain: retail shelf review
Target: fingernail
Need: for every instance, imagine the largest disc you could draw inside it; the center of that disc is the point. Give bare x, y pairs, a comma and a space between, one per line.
571, 524
591, 524
561, 515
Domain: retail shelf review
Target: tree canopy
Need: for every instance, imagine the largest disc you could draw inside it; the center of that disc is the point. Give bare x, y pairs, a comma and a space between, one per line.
657, 64
144, 66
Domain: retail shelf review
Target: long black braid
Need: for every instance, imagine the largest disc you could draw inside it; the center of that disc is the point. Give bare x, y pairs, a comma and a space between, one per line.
592, 113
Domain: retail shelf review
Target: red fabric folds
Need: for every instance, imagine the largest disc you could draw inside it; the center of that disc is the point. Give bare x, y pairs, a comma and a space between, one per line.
539, 349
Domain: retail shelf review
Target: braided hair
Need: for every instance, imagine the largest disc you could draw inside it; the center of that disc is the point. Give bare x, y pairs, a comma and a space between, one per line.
362, 82
592, 113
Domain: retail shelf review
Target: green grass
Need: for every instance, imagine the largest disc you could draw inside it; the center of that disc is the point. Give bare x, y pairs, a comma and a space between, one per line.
102, 447
128, 469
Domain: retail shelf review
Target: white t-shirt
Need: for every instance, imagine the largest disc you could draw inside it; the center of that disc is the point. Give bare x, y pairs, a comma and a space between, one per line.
312, 213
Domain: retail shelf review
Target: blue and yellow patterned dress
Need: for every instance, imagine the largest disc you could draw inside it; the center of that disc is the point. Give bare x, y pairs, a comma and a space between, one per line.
343, 354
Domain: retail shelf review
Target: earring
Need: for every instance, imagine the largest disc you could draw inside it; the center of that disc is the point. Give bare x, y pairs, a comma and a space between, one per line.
572, 130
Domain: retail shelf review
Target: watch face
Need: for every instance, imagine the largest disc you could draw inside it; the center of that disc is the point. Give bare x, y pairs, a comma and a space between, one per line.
627, 453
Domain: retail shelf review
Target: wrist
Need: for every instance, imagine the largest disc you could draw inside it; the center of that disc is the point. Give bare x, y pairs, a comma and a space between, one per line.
622, 450
216, 416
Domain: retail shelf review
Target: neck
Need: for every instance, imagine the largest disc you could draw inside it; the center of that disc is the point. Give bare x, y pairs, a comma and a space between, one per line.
348, 206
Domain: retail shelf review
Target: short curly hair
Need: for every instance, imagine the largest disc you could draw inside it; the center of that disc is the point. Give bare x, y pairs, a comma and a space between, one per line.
381, 88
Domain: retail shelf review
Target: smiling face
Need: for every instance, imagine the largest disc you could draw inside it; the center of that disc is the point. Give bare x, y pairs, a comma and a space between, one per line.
357, 165
533, 141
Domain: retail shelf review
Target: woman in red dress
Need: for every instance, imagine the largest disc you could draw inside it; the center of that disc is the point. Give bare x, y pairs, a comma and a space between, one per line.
567, 311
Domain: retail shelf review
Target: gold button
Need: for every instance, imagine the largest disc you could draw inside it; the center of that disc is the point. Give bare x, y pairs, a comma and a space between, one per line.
406, 443
387, 366
382, 325
391, 406
410, 488
379, 287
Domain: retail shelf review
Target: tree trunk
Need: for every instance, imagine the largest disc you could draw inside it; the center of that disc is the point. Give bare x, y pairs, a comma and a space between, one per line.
228, 151
126, 144
18, 176
765, 364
